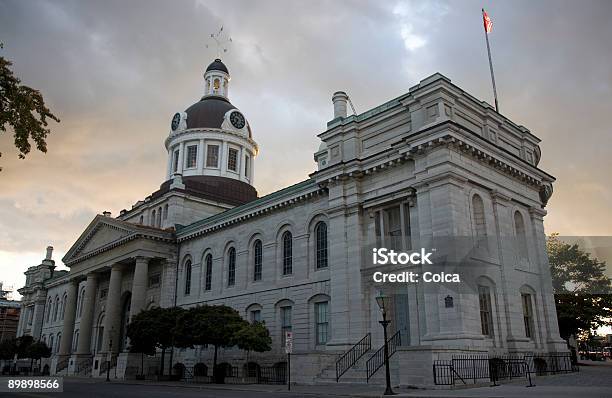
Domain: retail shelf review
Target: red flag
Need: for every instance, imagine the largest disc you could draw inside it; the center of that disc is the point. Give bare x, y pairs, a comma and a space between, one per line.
488, 24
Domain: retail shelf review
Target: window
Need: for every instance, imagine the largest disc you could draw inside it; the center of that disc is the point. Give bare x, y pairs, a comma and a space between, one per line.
81, 302
49, 307
287, 253
246, 166
231, 271
255, 316
285, 314
51, 345
321, 244
155, 280
166, 212
64, 299
103, 293
521, 237
232, 159
153, 218
175, 161
159, 218
192, 156
208, 273
141, 219
322, 322
56, 309
257, 260
393, 227
75, 341
479, 216
486, 319
187, 277
527, 314
212, 156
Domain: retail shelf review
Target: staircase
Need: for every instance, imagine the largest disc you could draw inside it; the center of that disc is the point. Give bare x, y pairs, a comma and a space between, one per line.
355, 367
83, 367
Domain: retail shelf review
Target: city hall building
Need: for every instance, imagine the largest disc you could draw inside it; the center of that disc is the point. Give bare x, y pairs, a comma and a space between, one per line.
426, 170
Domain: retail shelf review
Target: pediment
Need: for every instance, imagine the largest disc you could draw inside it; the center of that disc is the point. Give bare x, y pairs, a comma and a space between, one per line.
100, 233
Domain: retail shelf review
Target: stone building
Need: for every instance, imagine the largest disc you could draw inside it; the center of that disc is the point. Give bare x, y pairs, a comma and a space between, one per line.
434, 168
9, 315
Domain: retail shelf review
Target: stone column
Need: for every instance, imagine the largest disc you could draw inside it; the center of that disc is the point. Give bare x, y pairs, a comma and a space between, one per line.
112, 316
87, 315
139, 286
69, 315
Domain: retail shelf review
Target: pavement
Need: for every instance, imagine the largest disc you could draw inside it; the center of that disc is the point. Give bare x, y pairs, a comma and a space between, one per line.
593, 380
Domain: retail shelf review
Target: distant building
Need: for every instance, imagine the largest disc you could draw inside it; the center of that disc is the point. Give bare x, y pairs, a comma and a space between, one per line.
9, 315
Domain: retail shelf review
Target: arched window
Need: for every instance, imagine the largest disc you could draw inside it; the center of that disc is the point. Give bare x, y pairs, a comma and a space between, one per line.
287, 253
480, 224
152, 219
49, 307
208, 272
141, 219
51, 346
64, 299
159, 216
231, 269
56, 308
166, 211
81, 300
75, 341
521, 237
321, 244
187, 277
58, 341
257, 260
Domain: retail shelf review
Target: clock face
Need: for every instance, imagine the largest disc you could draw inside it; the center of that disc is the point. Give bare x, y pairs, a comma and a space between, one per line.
175, 121
237, 119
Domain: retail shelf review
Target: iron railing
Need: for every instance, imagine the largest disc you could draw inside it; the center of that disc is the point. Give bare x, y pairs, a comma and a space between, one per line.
272, 375
352, 355
83, 367
61, 365
105, 365
474, 368
378, 358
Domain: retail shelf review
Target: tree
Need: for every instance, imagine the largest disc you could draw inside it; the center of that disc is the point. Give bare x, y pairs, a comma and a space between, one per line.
23, 109
253, 337
36, 351
215, 325
153, 329
583, 293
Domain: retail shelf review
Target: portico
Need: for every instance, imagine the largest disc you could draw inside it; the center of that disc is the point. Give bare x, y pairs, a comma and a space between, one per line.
110, 265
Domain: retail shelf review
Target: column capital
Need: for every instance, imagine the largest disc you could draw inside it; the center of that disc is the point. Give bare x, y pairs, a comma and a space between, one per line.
116, 267
143, 259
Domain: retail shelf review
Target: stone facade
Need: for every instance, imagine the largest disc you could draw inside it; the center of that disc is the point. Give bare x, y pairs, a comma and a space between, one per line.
434, 168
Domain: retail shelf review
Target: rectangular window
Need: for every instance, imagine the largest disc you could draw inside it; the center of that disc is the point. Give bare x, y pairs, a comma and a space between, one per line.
246, 166
486, 318
392, 227
285, 323
322, 322
175, 161
212, 156
154, 280
393, 231
192, 156
255, 316
232, 159
527, 315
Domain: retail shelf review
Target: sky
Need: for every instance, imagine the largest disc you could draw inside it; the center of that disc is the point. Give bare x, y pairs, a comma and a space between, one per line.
115, 72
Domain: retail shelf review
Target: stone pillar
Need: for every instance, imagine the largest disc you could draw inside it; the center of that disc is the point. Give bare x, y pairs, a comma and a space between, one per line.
88, 308
112, 317
139, 286
69, 315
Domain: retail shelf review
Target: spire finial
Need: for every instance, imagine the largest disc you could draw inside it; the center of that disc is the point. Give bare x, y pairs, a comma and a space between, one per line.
221, 40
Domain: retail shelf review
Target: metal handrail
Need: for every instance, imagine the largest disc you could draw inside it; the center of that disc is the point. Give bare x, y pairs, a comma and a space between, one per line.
84, 366
378, 358
352, 355
61, 365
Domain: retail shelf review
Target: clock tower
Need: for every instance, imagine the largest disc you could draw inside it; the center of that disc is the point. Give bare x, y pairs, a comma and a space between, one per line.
211, 141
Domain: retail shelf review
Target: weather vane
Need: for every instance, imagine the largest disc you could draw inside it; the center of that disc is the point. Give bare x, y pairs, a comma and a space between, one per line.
221, 40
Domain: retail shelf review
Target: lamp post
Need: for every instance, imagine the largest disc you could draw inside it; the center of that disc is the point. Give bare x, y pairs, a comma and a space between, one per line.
383, 304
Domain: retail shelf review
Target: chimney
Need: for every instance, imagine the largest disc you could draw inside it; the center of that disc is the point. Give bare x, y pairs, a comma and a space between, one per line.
340, 100
106, 214
49, 252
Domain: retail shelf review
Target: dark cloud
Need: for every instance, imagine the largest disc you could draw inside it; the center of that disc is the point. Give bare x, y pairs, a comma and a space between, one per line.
116, 71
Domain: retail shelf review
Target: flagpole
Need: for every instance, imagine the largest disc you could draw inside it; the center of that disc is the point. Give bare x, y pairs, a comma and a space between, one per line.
490, 64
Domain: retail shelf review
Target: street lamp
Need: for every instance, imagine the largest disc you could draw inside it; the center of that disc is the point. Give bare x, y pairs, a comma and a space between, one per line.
383, 303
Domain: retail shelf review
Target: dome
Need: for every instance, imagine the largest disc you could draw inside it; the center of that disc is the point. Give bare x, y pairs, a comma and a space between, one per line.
217, 65
208, 112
